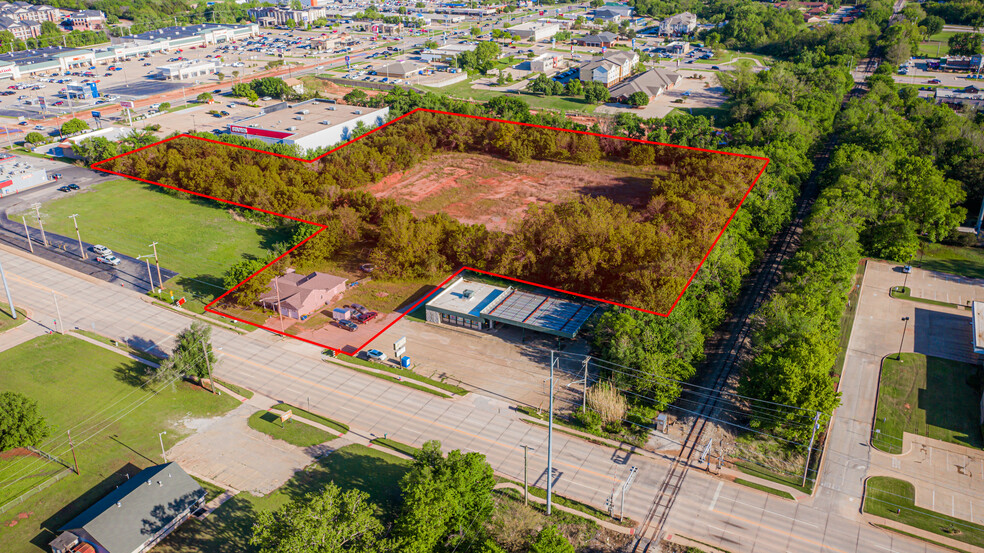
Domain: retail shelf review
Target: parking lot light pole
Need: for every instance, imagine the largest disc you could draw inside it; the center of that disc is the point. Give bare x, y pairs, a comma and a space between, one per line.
904, 327
526, 475
37, 212
6, 287
150, 275
74, 218
160, 436
157, 262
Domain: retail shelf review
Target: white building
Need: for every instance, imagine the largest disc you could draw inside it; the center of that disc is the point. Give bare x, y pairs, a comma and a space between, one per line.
190, 69
447, 52
679, 24
17, 175
312, 124
534, 30
544, 63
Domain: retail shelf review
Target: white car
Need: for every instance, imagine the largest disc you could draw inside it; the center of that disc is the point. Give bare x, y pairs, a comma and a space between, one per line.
102, 250
376, 355
108, 260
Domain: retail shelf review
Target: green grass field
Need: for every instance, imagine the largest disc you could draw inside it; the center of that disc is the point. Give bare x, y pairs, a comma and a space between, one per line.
195, 238
763, 488
894, 499
227, 530
955, 260
6, 321
341, 427
927, 396
84, 388
293, 431
465, 91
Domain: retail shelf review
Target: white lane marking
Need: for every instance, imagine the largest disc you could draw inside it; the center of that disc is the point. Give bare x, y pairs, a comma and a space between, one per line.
797, 521
714, 499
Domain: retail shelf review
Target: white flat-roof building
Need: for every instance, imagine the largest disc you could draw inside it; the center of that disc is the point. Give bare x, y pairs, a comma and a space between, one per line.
534, 30
17, 175
312, 124
446, 52
546, 62
188, 69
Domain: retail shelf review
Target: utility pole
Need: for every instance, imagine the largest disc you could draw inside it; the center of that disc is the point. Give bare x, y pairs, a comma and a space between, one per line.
211, 383
37, 211
74, 458
6, 287
27, 233
526, 475
150, 275
276, 284
157, 262
61, 323
550, 437
160, 437
584, 394
74, 218
809, 451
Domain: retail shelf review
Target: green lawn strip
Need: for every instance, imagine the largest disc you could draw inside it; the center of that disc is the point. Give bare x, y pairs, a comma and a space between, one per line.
381, 367
927, 540
7, 322
847, 318
76, 382
397, 446
956, 260
904, 293
228, 528
146, 355
241, 391
197, 238
765, 474
211, 490
570, 503
343, 428
894, 499
293, 432
556, 517
465, 91
407, 373
928, 396
763, 488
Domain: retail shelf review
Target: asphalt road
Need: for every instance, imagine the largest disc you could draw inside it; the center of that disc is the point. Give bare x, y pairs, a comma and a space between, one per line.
733, 517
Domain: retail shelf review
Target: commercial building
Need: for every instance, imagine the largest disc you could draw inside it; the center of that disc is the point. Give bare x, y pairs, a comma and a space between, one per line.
17, 175
652, 83
275, 16
977, 324
398, 70
602, 15
22, 30
81, 91
967, 96
446, 53
23, 11
190, 69
676, 47
546, 62
600, 40
480, 306
312, 124
534, 30
87, 20
962, 64
134, 517
679, 24
610, 69
297, 296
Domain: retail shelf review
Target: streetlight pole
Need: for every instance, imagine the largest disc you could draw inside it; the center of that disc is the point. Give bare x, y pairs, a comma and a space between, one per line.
211, 383
150, 275
37, 212
6, 287
27, 233
904, 327
160, 436
550, 437
74, 218
157, 262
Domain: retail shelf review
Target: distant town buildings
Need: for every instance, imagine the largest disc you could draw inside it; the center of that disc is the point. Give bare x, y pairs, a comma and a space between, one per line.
534, 30
274, 16
310, 125
679, 24
22, 11
610, 69
24, 20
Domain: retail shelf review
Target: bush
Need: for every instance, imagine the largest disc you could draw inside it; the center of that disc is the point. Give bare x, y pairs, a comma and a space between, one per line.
165, 106
607, 402
35, 138
588, 419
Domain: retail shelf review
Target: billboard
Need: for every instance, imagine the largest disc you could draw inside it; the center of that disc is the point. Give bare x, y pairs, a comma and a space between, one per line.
126, 104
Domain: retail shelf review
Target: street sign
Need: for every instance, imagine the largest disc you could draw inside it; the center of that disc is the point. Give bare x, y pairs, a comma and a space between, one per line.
96, 115
287, 416
126, 104
181, 301
399, 351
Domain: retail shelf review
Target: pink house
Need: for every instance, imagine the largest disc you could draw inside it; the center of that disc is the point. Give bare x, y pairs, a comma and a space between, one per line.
300, 295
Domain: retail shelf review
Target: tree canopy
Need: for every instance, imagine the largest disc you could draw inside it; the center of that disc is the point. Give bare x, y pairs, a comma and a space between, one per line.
21, 423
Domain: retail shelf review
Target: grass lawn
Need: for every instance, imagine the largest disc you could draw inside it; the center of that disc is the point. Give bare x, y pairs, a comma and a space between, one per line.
894, 499
766, 489
927, 396
227, 530
6, 322
905, 293
293, 431
465, 91
933, 49
343, 428
955, 260
792, 481
84, 388
195, 238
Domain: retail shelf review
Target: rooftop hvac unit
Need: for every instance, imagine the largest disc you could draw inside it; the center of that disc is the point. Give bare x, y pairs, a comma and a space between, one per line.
299, 118
291, 128
358, 112
331, 108
305, 111
325, 122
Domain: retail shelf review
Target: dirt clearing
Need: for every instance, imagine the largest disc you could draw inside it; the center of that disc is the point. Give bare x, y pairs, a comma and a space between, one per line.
480, 189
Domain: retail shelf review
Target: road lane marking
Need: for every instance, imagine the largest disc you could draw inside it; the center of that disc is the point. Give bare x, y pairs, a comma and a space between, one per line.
781, 532
714, 499
774, 513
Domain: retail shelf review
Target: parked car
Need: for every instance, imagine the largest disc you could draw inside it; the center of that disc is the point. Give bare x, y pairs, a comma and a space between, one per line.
376, 355
345, 325
108, 260
101, 250
64, 189
360, 308
73, 186
935, 81
366, 317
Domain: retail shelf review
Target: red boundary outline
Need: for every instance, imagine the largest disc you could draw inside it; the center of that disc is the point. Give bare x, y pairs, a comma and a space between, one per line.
448, 279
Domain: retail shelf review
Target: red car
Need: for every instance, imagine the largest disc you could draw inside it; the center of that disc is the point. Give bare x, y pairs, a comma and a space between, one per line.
935, 81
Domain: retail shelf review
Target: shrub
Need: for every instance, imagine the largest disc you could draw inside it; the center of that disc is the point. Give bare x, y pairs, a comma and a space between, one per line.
607, 401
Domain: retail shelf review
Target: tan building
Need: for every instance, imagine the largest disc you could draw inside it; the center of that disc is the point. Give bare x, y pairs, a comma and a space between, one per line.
652, 83
612, 68
297, 296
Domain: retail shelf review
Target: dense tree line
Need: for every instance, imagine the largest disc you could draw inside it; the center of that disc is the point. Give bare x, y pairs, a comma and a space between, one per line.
958, 12
582, 245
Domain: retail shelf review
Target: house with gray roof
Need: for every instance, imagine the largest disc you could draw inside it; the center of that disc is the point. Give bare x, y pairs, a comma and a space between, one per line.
653, 83
599, 40
135, 516
297, 296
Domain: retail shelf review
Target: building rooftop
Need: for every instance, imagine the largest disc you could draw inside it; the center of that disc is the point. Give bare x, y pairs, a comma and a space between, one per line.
319, 116
182, 31
542, 313
651, 82
531, 26
39, 55
978, 326
457, 298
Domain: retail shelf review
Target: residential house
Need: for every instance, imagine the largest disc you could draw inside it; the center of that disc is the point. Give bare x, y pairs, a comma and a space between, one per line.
612, 68
134, 517
87, 20
679, 24
297, 296
653, 83
600, 40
